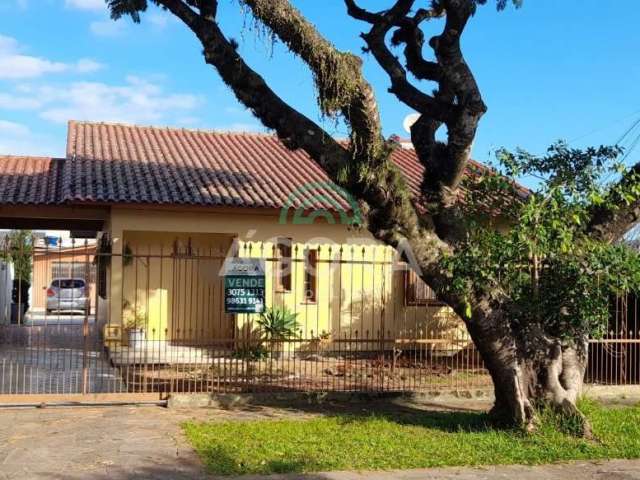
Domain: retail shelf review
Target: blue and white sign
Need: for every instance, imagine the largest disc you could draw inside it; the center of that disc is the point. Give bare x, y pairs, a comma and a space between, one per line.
244, 285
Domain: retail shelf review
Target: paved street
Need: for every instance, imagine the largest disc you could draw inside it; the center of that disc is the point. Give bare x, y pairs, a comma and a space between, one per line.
122, 443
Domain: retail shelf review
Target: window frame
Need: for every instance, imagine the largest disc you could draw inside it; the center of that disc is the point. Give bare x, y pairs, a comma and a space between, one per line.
284, 265
310, 281
416, 292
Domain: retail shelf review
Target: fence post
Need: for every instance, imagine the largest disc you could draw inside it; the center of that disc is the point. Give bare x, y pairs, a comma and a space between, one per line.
85, 328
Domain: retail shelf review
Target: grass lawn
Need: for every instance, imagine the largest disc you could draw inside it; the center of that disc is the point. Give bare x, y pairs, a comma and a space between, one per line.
405, 440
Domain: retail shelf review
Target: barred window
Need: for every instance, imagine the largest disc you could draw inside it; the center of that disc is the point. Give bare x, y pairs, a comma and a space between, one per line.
283, 265
416, 292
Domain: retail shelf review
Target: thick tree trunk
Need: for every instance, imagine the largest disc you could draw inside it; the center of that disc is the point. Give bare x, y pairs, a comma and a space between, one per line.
532, 373
526, 372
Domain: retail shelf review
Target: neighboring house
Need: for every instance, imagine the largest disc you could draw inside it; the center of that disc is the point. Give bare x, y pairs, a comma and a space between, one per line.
174, 202
51, 262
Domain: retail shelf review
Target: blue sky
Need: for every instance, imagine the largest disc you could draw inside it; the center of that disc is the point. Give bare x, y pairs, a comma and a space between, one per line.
553, 69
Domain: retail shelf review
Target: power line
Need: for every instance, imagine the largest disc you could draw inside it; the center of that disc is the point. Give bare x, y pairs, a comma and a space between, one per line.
628, 131
600, 129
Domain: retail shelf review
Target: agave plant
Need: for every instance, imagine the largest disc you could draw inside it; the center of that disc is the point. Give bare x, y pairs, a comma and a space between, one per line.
278, 323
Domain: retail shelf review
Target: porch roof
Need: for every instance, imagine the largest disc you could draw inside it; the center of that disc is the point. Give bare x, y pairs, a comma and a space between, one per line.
29, 180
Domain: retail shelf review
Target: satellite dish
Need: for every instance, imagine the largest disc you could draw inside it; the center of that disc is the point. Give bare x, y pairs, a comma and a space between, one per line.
409, 120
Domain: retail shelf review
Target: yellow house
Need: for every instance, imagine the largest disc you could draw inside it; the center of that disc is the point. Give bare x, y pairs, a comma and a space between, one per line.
181, 201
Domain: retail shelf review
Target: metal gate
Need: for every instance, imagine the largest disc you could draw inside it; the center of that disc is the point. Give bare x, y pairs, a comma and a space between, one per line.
55, 358
45, 352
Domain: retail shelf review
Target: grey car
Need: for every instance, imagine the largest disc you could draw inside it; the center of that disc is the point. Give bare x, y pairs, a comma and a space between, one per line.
68, 294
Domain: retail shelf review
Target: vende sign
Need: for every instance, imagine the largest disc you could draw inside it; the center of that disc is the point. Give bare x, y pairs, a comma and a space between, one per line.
244, 285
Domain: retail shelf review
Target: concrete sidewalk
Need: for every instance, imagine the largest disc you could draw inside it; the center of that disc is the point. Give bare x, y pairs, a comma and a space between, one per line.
611, 470
123, 443
96, 443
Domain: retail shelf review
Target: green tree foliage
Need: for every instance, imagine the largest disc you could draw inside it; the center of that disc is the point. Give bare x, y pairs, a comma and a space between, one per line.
547, 267
18, 250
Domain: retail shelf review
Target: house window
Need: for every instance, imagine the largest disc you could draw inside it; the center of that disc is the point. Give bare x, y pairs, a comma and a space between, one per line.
416, 292
310, 275
283, 265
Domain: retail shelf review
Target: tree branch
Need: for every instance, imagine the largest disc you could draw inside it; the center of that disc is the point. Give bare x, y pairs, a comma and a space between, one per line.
374, 178
388, 203
410, 33
407, 93
338, 75
458, 102
610, 222
413, 38
295, 129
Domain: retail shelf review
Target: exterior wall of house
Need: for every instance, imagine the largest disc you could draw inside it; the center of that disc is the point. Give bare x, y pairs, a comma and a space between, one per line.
175, 296
359, 287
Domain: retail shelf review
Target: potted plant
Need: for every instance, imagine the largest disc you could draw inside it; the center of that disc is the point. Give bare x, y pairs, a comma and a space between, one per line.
134, 322
278, 324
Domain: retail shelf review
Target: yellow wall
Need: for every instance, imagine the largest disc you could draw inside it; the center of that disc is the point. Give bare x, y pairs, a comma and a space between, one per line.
360, 291
179, 296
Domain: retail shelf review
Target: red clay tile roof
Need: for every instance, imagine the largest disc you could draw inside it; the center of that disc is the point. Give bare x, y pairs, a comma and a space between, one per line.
29, 180
122, 164
131, 164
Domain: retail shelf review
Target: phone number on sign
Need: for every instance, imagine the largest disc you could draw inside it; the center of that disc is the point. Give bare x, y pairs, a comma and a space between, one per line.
244, 301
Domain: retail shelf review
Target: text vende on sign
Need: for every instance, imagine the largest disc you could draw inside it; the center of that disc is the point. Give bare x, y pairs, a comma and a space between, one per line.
244, 285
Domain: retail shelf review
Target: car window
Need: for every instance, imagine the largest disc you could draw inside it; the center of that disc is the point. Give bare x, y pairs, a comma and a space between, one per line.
68, 283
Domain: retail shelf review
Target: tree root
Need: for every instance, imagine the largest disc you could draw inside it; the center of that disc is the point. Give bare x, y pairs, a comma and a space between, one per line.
568, 417
573, 420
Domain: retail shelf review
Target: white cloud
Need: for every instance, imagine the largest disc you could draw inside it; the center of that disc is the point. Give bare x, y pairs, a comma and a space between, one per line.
16, 102
158, 19
86, 65
24, 66
107, 28
13, 128
242, 127
137, 101
15, 65
8, 44
18, 139
86, 4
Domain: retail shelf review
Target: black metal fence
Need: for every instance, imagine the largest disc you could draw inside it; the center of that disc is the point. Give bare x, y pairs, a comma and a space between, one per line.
362, 322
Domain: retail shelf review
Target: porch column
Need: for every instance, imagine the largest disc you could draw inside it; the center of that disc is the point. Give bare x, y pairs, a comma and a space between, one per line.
116, 278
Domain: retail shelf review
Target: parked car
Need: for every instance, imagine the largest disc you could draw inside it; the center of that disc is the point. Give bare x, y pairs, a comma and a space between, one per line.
68, 294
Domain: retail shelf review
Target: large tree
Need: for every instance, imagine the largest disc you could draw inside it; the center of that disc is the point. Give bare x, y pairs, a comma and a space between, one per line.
531, 357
